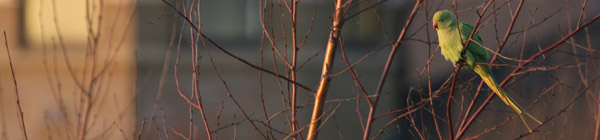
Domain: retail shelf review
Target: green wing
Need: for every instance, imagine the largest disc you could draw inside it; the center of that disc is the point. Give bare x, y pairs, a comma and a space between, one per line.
477, 53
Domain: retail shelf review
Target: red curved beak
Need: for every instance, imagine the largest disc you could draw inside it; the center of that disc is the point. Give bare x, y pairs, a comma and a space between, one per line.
435, 25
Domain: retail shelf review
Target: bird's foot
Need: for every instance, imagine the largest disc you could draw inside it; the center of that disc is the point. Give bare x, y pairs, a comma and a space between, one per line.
462, 58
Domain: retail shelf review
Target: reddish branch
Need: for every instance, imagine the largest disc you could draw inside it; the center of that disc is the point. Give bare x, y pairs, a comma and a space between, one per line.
294, 124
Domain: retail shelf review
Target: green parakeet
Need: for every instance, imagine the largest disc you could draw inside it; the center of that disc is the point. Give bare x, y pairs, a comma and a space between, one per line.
452, 40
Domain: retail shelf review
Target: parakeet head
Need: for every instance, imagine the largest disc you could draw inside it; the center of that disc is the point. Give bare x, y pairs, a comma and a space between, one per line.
443, 20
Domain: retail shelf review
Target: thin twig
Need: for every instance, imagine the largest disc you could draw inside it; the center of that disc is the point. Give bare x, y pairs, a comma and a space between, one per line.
428, 68
12, 71
354, 75
141, 129
260, 76
179, 133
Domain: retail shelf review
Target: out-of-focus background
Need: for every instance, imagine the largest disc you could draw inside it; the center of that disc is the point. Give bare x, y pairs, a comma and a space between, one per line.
137, 69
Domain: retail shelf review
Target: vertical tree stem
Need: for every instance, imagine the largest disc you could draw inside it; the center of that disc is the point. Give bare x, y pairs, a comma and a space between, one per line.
321, 93
293, 68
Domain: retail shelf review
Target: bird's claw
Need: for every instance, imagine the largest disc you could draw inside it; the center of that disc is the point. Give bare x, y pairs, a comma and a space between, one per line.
462, 58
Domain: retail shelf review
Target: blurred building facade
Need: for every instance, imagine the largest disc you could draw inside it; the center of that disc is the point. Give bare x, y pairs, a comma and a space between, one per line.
74, 64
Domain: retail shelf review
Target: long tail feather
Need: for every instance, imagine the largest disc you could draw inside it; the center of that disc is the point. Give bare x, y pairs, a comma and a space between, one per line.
484, 72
